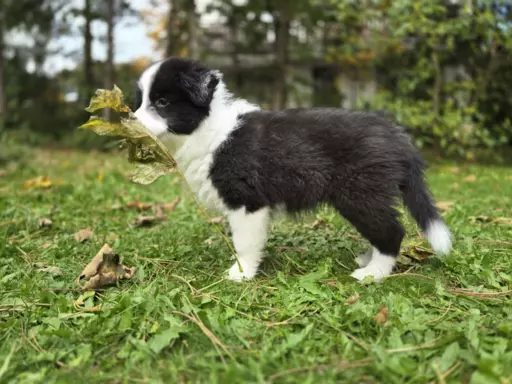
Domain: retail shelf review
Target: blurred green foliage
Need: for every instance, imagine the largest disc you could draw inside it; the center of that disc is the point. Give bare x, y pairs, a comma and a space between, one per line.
443, 69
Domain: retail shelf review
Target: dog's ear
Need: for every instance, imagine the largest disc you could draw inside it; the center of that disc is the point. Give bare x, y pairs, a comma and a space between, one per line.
199, 85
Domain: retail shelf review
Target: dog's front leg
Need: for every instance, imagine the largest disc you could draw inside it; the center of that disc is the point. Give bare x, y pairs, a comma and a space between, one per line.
249, 237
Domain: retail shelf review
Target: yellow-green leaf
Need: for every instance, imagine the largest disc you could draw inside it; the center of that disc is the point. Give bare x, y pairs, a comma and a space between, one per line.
143, 147
104, 98
146, 173
103, 127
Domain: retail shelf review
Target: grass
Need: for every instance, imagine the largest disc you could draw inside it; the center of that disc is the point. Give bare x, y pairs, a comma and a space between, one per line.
303, 319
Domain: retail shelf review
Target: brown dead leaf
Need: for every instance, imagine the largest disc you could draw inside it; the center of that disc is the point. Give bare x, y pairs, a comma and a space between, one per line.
56, 271
147, 220
83, 235
382, 316
316, 224
352, 299
104, 269
332, 283
469, 179
141, 206
169, 207
445, 205
45, 223
46, 245
116, 207
217, 220
41, 182
416, 252
3, 172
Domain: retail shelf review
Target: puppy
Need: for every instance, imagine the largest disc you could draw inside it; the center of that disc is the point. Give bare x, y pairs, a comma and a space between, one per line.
247, 162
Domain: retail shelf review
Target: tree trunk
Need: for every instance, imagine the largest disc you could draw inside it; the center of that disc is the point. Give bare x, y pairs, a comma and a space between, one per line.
438, 86
282, 31
88, 63
3, 101
109, 70
235, 59
172, 45
192, 26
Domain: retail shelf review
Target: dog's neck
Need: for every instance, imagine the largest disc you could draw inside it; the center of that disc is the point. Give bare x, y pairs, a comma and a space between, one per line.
222, 120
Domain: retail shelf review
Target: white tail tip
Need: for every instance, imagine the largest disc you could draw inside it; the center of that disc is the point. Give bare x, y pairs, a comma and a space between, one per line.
439, 236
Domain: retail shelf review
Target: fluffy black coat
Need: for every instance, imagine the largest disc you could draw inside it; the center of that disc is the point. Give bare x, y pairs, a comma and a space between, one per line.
298, 158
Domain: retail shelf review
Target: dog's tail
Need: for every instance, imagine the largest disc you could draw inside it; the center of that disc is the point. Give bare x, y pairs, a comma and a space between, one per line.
419, 202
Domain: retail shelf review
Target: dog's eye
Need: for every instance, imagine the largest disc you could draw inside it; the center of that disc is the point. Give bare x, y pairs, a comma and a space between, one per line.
161, 102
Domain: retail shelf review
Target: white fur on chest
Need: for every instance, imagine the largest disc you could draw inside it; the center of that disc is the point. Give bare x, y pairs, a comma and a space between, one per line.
195, 153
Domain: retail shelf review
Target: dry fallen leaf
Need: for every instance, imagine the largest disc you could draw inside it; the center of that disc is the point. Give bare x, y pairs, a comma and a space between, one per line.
316, 224
169, 207
445, 205
332, 283
83, 235
3, 172
217, 220
38, 182
469, 179
46, 245
416, 252
104, 269
44, 223
382, 316
147, 220
352, 299
139, 205
51, 270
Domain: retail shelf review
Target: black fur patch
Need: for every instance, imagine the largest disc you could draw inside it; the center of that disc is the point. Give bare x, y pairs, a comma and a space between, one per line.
357, 162
187, 87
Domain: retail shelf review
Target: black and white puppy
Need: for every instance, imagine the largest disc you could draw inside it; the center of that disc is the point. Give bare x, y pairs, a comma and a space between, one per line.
247, 162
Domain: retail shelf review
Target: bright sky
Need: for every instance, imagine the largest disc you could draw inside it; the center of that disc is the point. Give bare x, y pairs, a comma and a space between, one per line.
131, 39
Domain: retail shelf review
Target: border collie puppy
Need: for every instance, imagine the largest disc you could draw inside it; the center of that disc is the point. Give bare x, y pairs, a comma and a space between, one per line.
247, 162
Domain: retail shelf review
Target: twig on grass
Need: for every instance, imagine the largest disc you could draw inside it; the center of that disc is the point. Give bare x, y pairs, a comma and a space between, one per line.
440, 317
480, 295
427, 345
342, 365
7, 222
442, 376
437, 370
216, 342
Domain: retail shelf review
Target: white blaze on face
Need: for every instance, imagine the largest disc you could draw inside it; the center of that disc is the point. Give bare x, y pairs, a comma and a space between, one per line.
146, 114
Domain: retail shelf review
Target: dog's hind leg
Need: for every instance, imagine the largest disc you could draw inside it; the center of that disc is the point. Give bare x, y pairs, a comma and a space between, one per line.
364, 258
380, 225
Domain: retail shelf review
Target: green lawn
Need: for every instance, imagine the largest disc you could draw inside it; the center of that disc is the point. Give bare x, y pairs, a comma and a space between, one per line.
449, 320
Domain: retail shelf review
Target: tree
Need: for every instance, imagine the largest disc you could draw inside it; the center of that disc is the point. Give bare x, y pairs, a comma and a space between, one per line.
35, 19
110, 71
88, 61
282, 19
2, 67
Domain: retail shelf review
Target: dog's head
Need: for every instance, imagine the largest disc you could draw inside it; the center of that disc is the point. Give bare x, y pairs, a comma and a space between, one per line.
174, 96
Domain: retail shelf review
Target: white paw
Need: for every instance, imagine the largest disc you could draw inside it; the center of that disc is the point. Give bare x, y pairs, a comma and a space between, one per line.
364, 258
371, 270
249, 271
